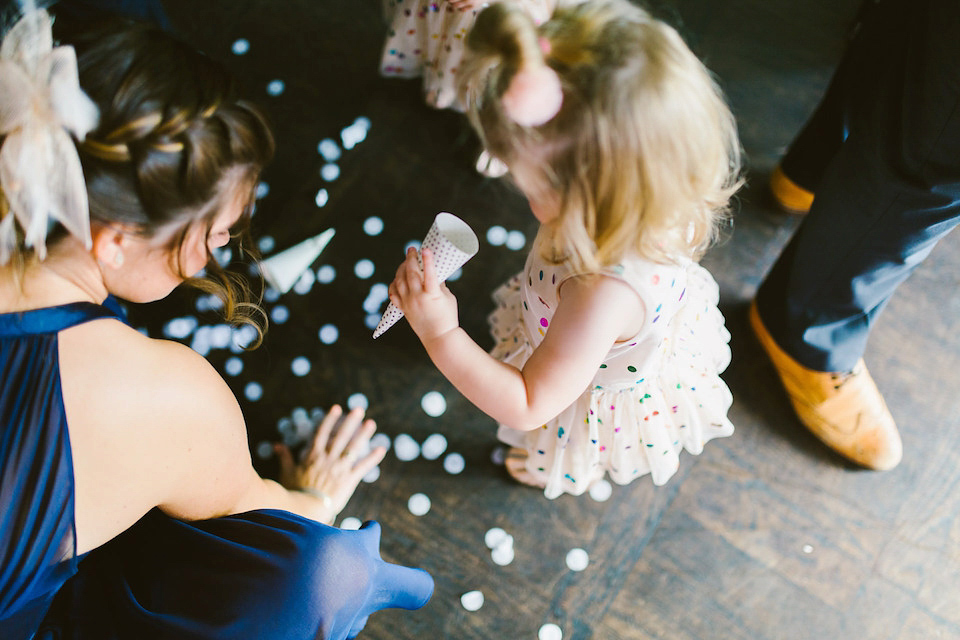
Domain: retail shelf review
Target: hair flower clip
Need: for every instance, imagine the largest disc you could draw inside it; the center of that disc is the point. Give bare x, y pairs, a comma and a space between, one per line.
41, 105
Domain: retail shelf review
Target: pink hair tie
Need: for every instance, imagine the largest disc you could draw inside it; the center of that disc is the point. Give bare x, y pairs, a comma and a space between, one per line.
534, 96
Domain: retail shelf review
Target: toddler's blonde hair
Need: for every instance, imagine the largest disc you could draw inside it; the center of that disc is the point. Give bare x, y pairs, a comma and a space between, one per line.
643, 156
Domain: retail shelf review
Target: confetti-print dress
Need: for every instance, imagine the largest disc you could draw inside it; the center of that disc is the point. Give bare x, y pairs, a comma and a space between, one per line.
653, 395
427, 38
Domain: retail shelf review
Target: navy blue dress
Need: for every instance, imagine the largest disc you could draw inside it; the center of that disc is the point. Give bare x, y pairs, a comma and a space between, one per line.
260, 574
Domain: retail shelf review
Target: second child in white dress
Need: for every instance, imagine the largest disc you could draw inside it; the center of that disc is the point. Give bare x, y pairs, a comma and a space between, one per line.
609, 343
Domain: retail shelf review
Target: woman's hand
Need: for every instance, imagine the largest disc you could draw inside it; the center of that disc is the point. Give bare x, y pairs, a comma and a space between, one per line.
333, 465
429, 306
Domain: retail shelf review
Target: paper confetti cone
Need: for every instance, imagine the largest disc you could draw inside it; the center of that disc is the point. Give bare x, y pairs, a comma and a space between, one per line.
452, 242
283, 270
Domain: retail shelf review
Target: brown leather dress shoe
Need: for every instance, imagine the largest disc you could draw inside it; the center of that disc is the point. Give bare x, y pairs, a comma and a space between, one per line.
790, 196
844, 410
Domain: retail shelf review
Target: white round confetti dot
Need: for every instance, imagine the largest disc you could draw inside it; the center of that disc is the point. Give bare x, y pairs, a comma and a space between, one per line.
322, 197
516, 240
180, 328
503, 555
280, 314
454, 463
305, 282
419, 504
233, 366
329, 334
329, 149
472, 600
577, 559
300, 366
253, 391
498, 455
550, 631
363, 269
329, 172
453, 277
326, 273
276, 87
265, 450
380, 440
261, 191
271, 295
496, 235
601, 490
220, 335
350, 523
808, 548
240, 46
266, 244
372, 476
434, 446
372, 321
433, 403
493, 537
405, 447
372, 226
358, 400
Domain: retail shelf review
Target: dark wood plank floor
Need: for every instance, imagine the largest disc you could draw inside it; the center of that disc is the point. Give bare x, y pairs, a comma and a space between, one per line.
767, 535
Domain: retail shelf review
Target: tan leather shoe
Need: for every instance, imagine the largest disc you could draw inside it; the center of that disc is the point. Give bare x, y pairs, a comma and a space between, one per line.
790, 196
844, 410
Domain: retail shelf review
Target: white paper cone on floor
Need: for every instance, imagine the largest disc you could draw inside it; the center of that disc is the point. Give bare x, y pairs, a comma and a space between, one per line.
283, 270
452, 242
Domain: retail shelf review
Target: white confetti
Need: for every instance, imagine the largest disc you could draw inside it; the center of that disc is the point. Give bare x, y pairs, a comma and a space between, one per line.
453, 277
601, 490
300, 366
355, 133
265, 450
358, 400
271, 295
496, 235
220, 335
516, 240
262, 190
240, 46
372, 476
577, 559
418, 504
494, 537
433, 403
329, 149
472, 600
317, 414
808, 548
454, 463
279, 314
329, 334
223, 256
363, 269
243, 337
498, 455
253, 391
285, 426
301, 418
550, 631
233, 366
434, 446
276, 87
201, 341
503, 555
372, 320
180, 328
266, 244
350, 523
322, 197
330, 172
372, 226
326, 273
405, 447
305, 282
380, 440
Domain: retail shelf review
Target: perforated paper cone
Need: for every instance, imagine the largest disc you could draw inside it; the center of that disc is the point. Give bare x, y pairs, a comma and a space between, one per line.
283, 270
452, 242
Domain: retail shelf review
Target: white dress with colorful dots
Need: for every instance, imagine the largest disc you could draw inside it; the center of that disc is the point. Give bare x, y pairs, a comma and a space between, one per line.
427, 38
654, 394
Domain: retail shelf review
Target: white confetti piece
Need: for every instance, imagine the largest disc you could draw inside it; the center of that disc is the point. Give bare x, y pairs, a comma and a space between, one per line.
373, 226
454, 463
233, 366
329, 149
472, 600
265, 244
550, 631
253, 391
300, 366
494, 537
358, 400
301, 418
305, 282
577, 559
285, 426
322, 197
201, 341
498, 455
244, 335
240, 46
516, 240
271, 295
262, 190
380, 440
502, 555
276, 87
355, 134
372, 320
372, 476
496, 235
328, 334
601, 490
363, 269
405, 447
807, 548
326, 273
453, 277
317, 414
180, 328
418, 504
223, 256
434, 446
220, 335
350, 523
330, 172
433, 403
279, 314
265, 450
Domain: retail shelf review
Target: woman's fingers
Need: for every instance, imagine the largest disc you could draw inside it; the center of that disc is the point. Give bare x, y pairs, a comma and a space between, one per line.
322, 434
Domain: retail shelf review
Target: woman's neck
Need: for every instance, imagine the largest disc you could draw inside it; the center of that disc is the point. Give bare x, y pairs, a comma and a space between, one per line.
69, 273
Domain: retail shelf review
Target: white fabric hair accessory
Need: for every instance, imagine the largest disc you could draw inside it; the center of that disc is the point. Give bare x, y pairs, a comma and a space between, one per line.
41, 105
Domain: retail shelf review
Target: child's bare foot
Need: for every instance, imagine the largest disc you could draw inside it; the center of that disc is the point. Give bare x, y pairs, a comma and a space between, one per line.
516, 464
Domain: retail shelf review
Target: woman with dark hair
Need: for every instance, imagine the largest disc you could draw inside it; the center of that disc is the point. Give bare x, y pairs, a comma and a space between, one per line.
130, 449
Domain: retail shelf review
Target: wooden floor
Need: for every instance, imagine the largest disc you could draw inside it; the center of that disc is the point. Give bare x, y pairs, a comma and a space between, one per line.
767, 535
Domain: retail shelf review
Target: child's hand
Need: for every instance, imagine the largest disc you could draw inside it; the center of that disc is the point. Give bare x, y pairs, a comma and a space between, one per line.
427, 303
